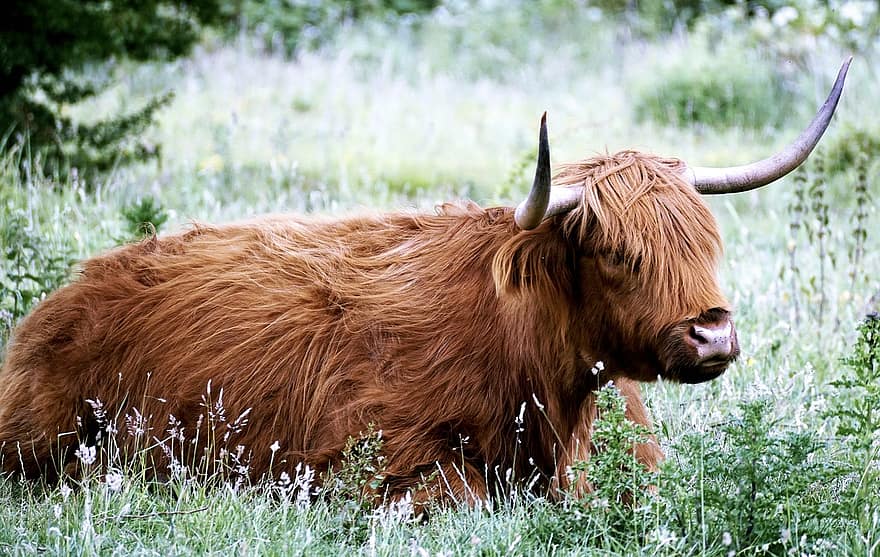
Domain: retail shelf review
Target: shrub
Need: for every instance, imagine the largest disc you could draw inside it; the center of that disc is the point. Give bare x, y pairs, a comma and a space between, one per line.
31, 266
726, 89
289, 25
856, 408
752, 484
144, 218
846, 149
616, 512
44, 47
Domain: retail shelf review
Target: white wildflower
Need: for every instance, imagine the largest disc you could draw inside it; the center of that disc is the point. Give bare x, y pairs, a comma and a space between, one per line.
98, 409
396, 512
857, 13
274, 447
240, 422
56, 510
176, 428
664, 536
726, 538
136, 424
113, 481
305, 477
784, 535
65, 491
87, 455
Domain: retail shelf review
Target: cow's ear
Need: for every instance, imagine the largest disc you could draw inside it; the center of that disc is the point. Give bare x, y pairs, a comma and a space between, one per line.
536, 262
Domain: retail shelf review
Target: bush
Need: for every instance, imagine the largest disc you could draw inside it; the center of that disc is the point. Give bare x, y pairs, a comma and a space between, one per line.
31, 266
847, 149
44, 47
289, 25
725, 90
752, 484
857, 411
144, 218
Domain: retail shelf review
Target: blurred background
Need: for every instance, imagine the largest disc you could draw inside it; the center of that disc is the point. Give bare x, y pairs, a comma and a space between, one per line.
329, 104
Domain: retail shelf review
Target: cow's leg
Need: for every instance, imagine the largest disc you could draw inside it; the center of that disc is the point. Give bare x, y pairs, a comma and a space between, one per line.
28, 448
649, 452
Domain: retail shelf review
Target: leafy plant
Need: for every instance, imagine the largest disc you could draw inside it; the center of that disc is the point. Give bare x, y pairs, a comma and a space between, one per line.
856, 407
847, 149
44, 48
360, 474
719, 90
144, 217
619, 482
31, 266
288, 26
753, 484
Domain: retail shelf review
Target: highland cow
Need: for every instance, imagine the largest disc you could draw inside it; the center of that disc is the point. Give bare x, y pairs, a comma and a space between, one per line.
474, 339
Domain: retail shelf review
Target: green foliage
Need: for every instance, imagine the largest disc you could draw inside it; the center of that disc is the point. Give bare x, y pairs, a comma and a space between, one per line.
361, 472
857, 404
856, 409
811, 227
32, 266
853, 146
776, 24
721, 89
617, 510
144, 218
751, 484
619, 482
45, 45
291, 25
650, 18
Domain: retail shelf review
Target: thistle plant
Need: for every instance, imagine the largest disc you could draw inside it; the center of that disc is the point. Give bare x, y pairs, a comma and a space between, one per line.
860, 217
820, 210
619, 482
796, 209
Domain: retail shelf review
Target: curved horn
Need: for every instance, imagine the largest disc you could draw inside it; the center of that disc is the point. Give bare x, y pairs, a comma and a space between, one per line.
747, 177
530, 212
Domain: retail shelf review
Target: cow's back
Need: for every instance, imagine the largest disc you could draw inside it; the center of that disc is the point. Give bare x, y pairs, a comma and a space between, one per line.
303, 326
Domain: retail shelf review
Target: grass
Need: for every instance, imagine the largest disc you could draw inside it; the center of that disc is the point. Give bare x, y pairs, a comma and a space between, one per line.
404, 116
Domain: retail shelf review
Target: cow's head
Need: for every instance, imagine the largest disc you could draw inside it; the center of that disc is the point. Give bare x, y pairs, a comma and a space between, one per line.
644, 251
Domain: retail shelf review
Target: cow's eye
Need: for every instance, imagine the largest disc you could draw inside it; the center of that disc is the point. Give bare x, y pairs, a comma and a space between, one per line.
619, 260
616, 258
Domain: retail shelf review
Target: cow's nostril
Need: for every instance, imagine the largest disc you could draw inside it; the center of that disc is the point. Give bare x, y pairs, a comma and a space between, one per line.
698, 335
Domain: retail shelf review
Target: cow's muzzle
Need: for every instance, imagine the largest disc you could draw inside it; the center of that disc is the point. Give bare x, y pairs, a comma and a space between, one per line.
704, 347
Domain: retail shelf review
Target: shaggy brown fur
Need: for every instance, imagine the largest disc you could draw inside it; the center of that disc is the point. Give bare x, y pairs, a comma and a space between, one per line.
435, 328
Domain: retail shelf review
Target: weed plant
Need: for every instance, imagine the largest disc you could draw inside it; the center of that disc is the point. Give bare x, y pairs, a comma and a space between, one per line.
711, 89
